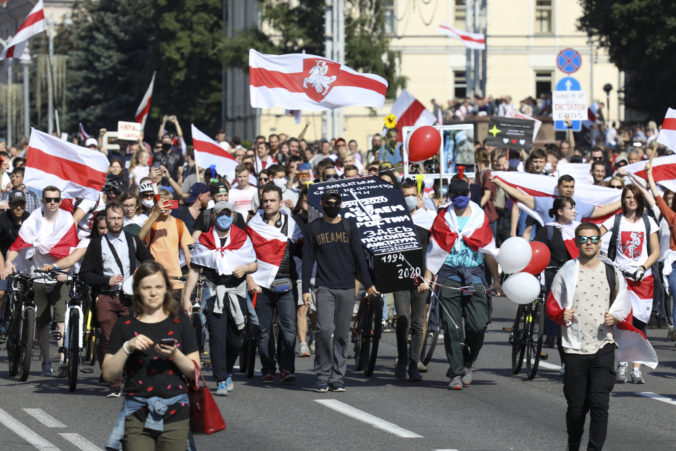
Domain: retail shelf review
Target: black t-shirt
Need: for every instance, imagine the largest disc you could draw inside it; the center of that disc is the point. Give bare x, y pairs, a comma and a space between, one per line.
172, 161
9, 229
183, 213
148, 374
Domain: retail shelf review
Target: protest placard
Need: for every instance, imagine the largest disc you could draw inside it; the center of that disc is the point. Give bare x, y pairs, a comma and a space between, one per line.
128, 131
504, 132
571, 104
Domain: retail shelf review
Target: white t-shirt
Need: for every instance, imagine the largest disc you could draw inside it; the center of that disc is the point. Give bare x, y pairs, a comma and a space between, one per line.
84, 227
632, 248
242, 199
139, 172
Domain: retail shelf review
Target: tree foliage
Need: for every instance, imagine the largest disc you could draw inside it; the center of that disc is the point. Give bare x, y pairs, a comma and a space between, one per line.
640, 36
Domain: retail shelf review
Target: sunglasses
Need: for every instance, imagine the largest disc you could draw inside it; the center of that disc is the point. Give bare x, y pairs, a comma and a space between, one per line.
147, 196
263, 179
332, 204
593, 239
48, 200
617, 186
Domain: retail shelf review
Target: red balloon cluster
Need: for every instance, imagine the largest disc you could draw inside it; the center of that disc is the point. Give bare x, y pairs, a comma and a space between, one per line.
423, 143
539, 260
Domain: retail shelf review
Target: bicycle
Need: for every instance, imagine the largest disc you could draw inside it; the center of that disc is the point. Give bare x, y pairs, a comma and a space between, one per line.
366, 333
431, 334
527, 335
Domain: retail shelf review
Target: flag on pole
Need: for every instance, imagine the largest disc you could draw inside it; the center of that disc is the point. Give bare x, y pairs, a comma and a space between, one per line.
667, 134
82, 134
664, 170
35, 23
208, 152
475, 41
144, 107
410, 112
77, 171
300, 81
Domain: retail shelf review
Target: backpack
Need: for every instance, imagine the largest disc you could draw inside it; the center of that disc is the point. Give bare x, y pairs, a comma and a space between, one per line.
612, 246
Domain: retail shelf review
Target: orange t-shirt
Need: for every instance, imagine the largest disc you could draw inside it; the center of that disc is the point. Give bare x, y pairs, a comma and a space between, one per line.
163, 241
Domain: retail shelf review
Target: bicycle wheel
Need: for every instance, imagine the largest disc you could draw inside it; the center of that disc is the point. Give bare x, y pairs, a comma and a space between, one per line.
536, 333
73, 351
14, 342
518, 342
429, 343
376, 328
26, 346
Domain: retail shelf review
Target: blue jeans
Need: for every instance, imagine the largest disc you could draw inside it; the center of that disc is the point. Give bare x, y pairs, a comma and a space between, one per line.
672, 291
285, 305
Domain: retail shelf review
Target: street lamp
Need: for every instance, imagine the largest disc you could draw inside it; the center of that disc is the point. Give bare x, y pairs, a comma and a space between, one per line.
607, 88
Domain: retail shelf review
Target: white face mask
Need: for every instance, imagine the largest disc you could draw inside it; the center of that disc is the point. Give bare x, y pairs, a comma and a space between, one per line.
148, 203
548, 167
280, 182
411, 202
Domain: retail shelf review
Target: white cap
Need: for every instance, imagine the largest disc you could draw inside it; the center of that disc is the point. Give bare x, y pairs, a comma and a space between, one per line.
91, 142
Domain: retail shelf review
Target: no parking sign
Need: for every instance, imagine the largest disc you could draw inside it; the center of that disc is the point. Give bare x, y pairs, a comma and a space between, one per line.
568, 60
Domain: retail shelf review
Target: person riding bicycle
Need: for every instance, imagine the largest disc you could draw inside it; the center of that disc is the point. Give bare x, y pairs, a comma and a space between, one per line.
109, 261
335, 246
461, 236
224, 255
46, 236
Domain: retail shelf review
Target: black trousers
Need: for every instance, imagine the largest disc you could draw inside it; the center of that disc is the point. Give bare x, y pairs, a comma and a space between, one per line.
587, 385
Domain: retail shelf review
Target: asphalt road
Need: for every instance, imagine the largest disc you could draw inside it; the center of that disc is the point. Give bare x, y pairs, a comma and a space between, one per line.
499, 410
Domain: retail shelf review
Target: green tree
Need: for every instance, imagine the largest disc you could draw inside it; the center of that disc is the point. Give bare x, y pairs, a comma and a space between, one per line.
640, 36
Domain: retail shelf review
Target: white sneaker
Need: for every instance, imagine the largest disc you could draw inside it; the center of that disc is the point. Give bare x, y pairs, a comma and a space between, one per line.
304, 350
562, 370
637, 377
621, 377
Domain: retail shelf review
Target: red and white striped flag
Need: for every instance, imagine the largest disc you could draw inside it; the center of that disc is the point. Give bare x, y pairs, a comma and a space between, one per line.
81, 133
568, 235
299, 81
144, 107
667, 135
57, 243
270, 244
239, 251
410, 113
664, 169
35, 23
77, 171
208, 152
476, 234
474, 41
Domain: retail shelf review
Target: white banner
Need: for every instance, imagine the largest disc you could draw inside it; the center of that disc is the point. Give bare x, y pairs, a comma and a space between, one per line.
571, 104
128, 131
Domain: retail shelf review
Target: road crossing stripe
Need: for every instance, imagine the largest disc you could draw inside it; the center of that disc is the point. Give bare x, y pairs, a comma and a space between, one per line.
45, 418
25, 432
549, 366
79, 441
367, 418
657, 397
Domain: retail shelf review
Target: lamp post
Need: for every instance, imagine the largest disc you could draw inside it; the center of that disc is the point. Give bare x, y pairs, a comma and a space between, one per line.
26, 62
608, 88
4, 43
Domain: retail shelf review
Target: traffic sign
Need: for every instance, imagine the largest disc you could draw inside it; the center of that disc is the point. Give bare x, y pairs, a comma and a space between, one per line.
568, 60
568, 84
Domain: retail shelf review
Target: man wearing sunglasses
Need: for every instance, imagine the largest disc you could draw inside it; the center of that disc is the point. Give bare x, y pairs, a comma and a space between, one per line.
44, 237
588, 297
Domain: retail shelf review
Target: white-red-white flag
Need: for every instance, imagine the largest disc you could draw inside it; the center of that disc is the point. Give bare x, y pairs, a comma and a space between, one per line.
308, 82
144, 107
667, 135
664, 170
270, 243
57, 243
77, 171
474, 41
208, 152
409, 112
35, 23
237, 252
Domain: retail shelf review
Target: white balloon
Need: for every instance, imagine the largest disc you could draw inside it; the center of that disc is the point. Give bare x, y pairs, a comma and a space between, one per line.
521, 288
515, 254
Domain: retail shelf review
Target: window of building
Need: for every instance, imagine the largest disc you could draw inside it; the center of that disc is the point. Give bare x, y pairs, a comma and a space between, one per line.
460, 14
543, 83
543, 16
459, 84
389, 16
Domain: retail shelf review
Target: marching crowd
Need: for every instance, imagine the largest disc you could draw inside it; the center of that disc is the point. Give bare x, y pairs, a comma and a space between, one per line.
162, 226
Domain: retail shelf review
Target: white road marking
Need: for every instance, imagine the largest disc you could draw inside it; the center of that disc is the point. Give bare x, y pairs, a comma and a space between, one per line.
657, 397
45, 418
367, 418
549, 366
80, 442
25, 432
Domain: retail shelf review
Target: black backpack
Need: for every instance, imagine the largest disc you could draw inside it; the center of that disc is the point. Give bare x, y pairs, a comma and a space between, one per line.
612, 246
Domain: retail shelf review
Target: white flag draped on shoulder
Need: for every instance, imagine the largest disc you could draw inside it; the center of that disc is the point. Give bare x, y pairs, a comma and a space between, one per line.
238, 252
664, 170
667, 135
143, 109
34, 24
301, 81
208, 152
475, 41
270, 244
77, 171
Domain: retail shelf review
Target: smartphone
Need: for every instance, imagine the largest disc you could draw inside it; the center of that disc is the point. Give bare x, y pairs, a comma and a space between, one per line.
167, 342
156, 165
171, 205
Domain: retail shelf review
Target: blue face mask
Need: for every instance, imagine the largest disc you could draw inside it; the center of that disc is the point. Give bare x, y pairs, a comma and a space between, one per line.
224, 222
460, 202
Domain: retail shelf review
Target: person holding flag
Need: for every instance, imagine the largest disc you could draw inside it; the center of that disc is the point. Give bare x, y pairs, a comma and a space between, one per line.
224, 255
461, 236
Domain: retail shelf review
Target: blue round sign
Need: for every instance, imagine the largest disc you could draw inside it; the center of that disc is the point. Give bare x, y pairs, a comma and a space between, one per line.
568, 60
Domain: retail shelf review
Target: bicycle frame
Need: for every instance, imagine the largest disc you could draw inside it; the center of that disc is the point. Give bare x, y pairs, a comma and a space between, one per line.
66, 343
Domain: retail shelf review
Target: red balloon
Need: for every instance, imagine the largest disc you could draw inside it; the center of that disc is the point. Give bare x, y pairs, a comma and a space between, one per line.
539, 260
423, 143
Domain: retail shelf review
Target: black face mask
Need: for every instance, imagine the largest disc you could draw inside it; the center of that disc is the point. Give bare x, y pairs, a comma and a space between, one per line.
331, 211
166, 146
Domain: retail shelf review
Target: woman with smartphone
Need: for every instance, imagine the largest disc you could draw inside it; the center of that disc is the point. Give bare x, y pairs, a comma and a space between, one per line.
156, 348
